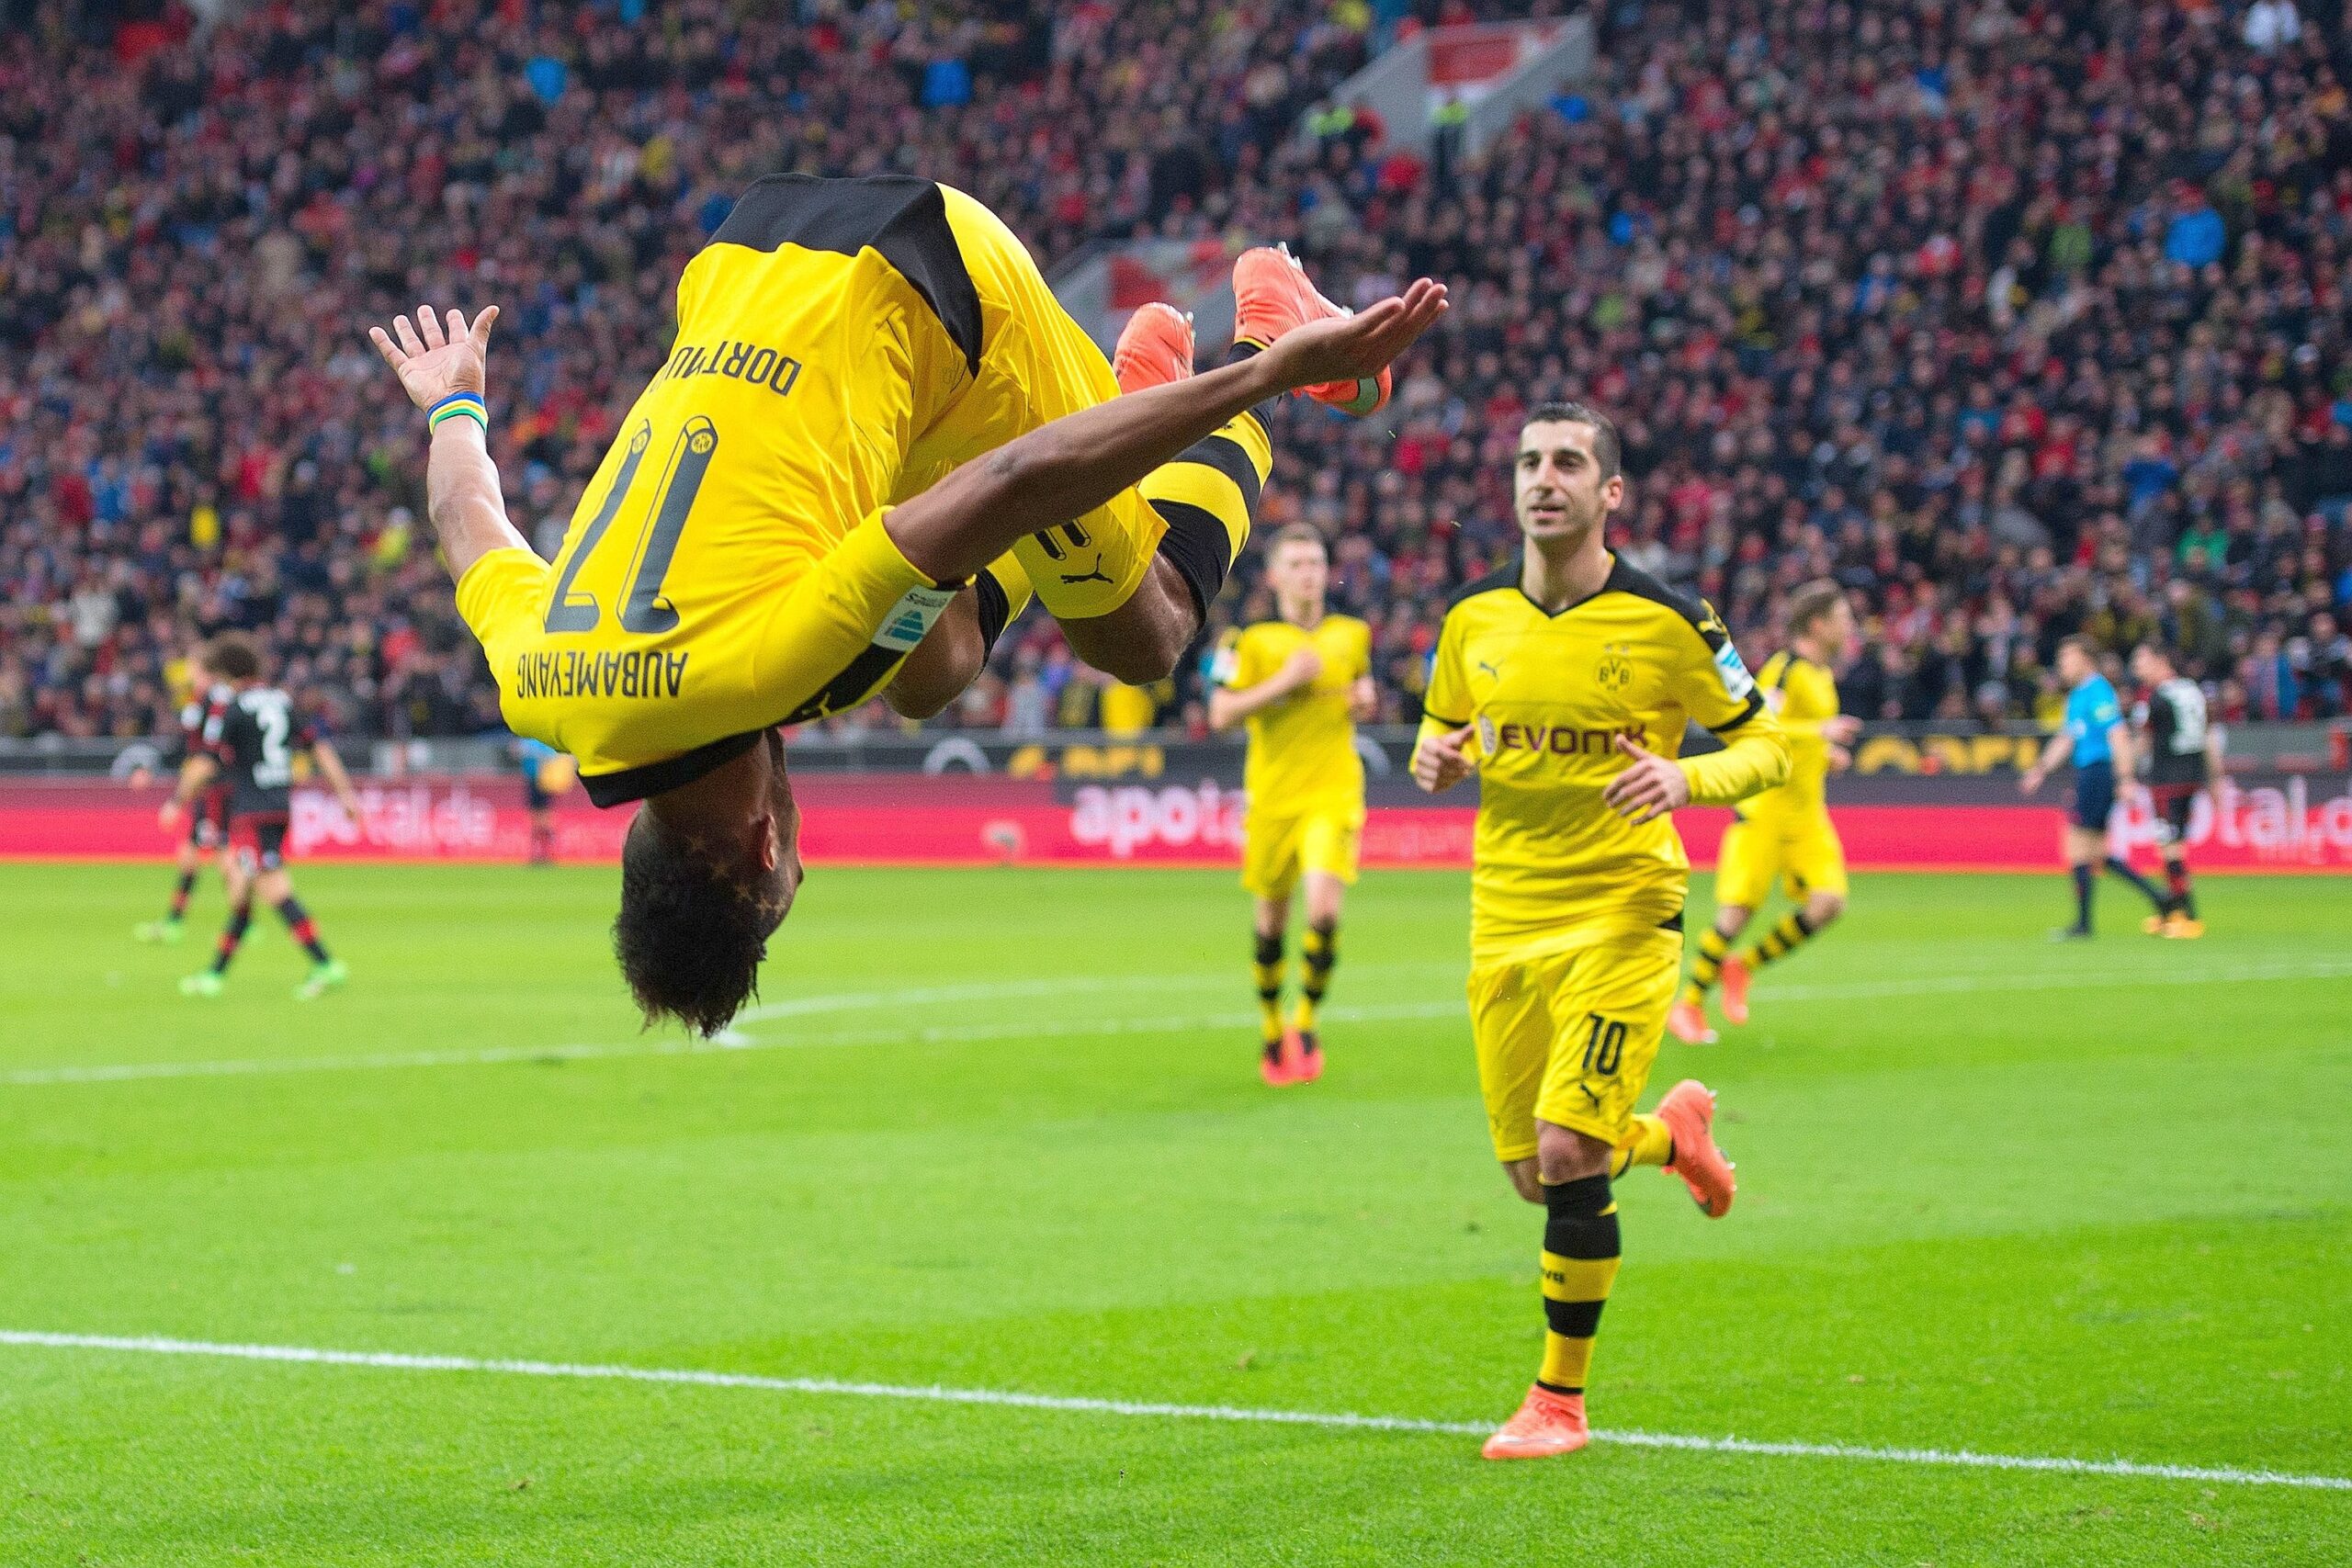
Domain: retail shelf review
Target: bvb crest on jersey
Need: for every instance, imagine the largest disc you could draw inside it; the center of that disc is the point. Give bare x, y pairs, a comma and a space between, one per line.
1616, 667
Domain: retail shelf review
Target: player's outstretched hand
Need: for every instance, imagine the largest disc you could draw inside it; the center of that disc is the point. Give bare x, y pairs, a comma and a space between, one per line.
168, 817
2030, 781
1841, 729
1649, 787
1347, 348
1440, 762
433, 361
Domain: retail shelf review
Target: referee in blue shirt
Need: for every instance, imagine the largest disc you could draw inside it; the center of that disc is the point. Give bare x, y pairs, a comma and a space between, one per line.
2094, 736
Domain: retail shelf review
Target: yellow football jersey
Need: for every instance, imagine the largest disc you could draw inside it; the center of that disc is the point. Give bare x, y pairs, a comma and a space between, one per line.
826, 325
1303, 748
1801, 693
1548, 696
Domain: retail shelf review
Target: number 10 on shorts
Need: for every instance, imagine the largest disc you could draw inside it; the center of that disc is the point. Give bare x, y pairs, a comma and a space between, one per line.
1605, 1046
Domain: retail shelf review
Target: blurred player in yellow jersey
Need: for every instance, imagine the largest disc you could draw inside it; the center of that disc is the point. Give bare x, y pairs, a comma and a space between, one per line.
1566, 681
1301, 683
1783, 835
874, 433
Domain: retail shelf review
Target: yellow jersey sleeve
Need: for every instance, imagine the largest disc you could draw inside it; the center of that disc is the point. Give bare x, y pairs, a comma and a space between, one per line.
1448, 702
1713, 686
501, 598
1712, 683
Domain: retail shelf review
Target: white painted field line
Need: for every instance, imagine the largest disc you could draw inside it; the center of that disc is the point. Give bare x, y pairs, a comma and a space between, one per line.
2054, 980
1164, 1023
1083, 1405
1924, 985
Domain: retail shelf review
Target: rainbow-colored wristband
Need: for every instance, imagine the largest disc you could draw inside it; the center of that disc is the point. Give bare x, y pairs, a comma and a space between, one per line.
457, 405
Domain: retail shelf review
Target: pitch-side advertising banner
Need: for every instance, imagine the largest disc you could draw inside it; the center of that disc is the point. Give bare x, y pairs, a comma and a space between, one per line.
2276, 822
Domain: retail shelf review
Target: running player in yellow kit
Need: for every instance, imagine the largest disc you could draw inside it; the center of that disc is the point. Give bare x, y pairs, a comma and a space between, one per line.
1301, 683
1783, 835
790, 522
1566, 681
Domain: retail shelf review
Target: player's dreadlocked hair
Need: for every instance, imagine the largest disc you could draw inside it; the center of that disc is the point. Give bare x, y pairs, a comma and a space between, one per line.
691, 932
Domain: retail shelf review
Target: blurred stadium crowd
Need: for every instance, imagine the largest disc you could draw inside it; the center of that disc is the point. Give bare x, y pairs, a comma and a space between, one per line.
2020, 317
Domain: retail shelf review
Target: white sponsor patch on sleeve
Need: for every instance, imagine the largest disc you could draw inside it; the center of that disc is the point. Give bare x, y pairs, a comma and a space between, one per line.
912, 616
1737, 681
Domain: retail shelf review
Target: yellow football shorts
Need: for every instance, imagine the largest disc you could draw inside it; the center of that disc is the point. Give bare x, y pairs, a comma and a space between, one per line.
1568, 1037
1277, 850
1040, 365
1802, 854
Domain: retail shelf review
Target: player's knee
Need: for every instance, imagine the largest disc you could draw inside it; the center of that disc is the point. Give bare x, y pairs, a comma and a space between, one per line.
1149, 652
691, 932
1563, 1154
1821, 908
1525, 1180
1731, 920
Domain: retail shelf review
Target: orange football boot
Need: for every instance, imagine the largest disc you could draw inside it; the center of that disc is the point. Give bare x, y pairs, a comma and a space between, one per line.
1274, 1064
1687, 1022
1304, 1054
1688, 1112
1547, 1423
1272, 296
1154, 348
1734, 977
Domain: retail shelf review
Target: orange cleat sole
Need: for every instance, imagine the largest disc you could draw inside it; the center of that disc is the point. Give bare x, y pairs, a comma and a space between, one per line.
1688, 1112
1271, 295
1154, 348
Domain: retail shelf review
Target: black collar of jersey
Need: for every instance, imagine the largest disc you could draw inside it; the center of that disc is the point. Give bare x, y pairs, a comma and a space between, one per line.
624, 785
1624, 578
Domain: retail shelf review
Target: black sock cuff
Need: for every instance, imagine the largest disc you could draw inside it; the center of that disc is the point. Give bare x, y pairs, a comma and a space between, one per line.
1269, 949
1200, 550
1804, 922
1582, 1199
996, 609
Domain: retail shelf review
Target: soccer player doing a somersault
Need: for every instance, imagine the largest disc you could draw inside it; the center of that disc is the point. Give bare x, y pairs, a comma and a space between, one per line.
876, 432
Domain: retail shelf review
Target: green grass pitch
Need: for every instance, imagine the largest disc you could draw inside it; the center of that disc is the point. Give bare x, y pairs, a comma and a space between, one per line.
1000, 1131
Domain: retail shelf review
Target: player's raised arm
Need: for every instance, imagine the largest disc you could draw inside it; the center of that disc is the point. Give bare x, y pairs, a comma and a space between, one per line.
444, 373
1069, 467
1713, 687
